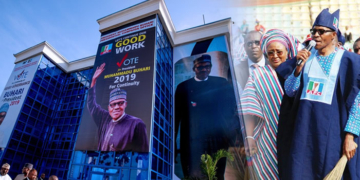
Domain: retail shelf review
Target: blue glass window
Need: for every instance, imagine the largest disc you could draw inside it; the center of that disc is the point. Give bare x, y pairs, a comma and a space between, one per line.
46, 129
50, 153
162, 153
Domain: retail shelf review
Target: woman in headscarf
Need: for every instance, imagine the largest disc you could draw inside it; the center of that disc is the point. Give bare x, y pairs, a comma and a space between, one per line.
261, 100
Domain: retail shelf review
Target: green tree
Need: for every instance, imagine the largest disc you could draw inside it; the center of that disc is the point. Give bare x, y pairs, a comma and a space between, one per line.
208, 163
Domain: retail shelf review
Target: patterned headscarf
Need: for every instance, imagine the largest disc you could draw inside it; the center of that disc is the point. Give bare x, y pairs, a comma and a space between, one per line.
276, 35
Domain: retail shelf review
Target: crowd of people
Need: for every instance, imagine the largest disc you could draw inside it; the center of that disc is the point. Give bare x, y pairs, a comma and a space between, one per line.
28, 173
300, 106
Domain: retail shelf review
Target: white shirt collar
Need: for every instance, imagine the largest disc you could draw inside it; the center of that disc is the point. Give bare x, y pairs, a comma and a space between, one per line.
261, 63
199, 80
119, 118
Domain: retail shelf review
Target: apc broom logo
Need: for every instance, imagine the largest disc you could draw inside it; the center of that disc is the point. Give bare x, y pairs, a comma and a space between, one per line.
315, 88
336, 23
106, 49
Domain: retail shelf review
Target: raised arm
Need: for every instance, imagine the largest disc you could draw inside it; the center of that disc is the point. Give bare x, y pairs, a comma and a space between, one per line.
97, 73
95, 109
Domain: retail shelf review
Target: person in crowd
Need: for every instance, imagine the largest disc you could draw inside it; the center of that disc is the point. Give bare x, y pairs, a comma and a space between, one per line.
326, 106
244, 28
258, 27
4, 172
25, 171
261, 100
32, 175
339, 41
348, 34
307, 40
356, 46
205, 111
255, 58
53, 177
118, 131
42, 177
3, 110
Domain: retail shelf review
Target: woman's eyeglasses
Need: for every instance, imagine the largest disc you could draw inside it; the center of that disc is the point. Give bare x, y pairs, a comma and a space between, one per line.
320, 31
272, 53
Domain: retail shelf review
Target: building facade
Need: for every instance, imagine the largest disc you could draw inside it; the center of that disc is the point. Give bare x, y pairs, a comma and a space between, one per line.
45, 130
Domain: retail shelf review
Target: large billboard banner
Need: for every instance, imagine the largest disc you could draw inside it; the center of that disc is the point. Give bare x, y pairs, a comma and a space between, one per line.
13, 96
117, 116
205, 107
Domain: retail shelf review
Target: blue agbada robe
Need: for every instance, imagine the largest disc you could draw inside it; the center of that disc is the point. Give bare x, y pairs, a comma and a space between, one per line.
318, 136
285, 124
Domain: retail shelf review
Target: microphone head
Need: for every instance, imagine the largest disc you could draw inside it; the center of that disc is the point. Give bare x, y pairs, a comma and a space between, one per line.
312, 43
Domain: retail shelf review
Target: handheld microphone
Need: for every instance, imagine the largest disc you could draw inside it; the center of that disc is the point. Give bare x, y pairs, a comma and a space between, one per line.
309, 47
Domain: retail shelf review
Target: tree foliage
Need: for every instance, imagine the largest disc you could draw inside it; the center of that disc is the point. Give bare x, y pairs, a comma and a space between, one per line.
208, 163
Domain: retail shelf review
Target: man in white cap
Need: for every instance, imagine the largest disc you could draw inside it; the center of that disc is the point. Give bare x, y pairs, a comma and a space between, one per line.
4, 172
25, 171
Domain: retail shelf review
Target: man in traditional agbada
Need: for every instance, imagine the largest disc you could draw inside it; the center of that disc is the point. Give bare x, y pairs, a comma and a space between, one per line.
326, 107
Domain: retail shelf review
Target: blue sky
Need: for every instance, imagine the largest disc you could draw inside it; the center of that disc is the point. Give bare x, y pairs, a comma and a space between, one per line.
71, 26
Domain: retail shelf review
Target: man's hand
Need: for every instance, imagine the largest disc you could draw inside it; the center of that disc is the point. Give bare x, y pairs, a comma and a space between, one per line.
97, 73
250, 146
304, 56
349, 147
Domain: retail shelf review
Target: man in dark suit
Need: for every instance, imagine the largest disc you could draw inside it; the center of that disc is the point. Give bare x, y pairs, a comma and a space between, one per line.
255, 59
53, 177
32, 175
42, 177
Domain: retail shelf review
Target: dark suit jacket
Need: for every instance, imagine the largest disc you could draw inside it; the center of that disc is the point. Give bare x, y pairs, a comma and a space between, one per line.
242, 72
